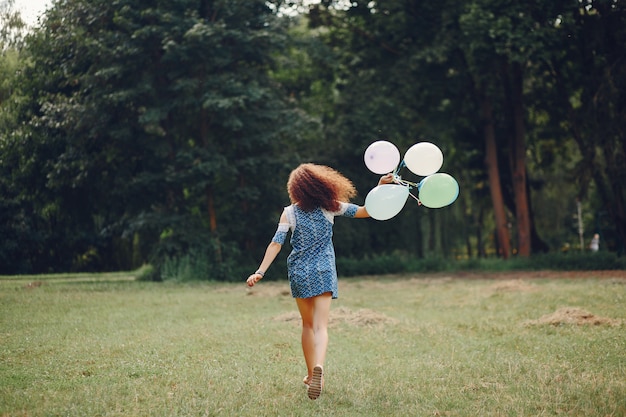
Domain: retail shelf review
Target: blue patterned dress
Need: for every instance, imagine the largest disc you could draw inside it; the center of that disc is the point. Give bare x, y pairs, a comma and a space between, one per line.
311, 263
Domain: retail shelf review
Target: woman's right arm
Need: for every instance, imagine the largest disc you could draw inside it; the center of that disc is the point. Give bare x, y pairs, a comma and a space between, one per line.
361, 212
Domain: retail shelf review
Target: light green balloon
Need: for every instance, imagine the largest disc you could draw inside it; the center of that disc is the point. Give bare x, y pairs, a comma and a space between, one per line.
385, 201
438, 190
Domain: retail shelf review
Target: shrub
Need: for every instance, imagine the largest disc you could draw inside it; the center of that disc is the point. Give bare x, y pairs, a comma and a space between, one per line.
146, 273
195, 266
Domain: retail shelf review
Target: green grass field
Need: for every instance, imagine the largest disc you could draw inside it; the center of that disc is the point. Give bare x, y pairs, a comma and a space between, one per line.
518, 344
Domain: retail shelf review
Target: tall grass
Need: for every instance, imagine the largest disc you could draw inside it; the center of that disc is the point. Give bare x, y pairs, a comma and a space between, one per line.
418, 345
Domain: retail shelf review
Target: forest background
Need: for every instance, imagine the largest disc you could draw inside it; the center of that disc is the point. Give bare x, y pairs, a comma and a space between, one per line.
161, 133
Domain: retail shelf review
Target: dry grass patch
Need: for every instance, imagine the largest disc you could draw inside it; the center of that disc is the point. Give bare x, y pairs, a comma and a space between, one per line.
514, 285
360, 317
268, 289
575, 316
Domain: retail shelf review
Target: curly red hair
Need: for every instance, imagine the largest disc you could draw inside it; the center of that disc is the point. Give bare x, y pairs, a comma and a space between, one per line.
311, 186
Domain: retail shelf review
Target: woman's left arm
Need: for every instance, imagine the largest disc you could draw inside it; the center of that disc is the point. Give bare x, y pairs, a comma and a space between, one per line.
272, 250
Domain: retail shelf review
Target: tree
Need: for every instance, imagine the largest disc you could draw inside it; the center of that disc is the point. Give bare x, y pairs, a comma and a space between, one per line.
12, 26
589, 76
467, 62
406, 76
155, 120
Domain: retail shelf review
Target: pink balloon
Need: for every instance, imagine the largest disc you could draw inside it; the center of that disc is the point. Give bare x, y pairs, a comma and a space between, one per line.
382, 157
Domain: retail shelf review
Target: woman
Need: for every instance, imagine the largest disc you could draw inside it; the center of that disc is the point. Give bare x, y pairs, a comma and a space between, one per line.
317, 193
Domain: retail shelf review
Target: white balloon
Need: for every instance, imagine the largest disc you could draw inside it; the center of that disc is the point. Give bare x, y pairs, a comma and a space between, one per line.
423, 158
382, 157
385, 201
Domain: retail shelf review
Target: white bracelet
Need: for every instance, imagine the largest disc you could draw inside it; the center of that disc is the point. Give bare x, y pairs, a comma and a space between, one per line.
260, 273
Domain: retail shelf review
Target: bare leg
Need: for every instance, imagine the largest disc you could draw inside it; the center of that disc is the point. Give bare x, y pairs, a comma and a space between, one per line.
314, 312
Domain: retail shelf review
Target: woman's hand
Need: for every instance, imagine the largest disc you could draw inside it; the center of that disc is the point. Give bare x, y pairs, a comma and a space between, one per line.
386, 179
253, 279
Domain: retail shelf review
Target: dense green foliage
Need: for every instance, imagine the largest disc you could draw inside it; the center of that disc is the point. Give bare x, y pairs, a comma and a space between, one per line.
147, 124
158, 132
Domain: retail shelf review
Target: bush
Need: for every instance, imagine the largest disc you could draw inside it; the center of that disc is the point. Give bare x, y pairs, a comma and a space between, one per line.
196, 267
577, 261
379, 265
399, 263
394, 263
146, 273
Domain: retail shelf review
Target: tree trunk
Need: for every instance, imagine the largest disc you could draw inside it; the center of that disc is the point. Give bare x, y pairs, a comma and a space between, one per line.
538, 245
518, 162
467, 215
211, 210
479, 234
210, 199
491, 162
204, 133
213, 224
431, 232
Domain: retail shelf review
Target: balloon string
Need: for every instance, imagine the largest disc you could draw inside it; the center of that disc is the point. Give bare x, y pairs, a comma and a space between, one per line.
400, 181
416, 199
398, 168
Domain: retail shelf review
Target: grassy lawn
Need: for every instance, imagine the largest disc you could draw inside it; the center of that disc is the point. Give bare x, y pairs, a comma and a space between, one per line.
519, 344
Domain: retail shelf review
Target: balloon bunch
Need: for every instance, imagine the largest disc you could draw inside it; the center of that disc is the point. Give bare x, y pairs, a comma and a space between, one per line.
435, 190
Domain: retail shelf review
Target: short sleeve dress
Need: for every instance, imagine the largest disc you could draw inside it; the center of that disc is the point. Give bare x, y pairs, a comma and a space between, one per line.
311, 263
